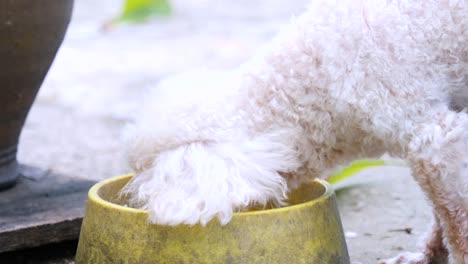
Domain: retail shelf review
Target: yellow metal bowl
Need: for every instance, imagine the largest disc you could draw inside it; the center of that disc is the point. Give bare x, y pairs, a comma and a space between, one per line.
307, 231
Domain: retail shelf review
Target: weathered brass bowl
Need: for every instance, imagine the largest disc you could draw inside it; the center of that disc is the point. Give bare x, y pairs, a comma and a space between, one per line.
307, 231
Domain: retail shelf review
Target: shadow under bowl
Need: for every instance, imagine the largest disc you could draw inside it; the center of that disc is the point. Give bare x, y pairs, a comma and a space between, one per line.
309, 230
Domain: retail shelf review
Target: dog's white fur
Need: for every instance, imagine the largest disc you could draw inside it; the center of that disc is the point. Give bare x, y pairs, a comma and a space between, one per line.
346, 80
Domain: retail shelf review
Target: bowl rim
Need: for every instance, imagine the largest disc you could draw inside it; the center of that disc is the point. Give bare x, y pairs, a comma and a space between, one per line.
94, 197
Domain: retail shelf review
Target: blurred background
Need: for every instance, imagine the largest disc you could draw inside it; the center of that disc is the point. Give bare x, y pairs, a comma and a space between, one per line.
110, 57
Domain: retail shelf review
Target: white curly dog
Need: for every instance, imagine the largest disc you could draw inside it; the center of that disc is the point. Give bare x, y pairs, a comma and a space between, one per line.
345, 80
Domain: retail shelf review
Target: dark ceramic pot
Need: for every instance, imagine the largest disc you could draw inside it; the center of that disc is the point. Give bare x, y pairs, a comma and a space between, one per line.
31, 31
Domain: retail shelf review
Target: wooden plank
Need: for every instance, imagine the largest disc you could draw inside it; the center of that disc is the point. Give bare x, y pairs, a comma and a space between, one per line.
43, 208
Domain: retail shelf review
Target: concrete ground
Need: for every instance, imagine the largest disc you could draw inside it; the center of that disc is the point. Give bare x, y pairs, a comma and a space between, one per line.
99, 77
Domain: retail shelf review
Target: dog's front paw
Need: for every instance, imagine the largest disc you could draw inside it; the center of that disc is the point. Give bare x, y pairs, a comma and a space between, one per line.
181, 207
198, 182
184, 186
407, 258
179, 204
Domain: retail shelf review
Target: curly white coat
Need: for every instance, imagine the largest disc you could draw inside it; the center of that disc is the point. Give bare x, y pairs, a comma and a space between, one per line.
345, 80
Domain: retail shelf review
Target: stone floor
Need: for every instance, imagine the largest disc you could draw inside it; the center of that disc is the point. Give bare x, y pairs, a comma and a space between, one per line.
101, 74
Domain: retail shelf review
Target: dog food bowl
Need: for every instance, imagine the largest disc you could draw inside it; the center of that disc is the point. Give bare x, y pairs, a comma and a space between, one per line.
307, 231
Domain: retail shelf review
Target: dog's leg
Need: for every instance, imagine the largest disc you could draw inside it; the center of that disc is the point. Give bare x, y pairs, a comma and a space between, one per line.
441, 169
199, 181
450, 206
436, 146
435, 251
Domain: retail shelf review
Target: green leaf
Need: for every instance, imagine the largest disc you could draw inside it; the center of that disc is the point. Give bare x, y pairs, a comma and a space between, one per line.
354, 168
141, 10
